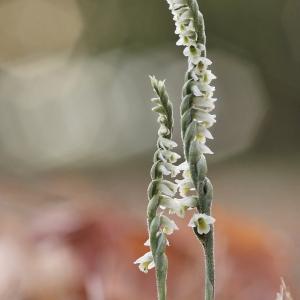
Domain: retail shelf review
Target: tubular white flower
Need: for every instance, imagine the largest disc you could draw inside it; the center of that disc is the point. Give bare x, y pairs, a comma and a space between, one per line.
168, 226
168, 202
145, 262
186, 40
178, 206
193, 53
184, 27
200, 88
201, 66
204, 103
185, 186
188, 202
166, 143
182, 14
184, 204
204, 118
167, 188
168, 169
168, 156
202, 223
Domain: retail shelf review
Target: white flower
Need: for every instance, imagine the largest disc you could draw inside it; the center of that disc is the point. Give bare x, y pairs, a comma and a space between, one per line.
175, 206
202, 148
208, 76
166, 143
206, 88
205, 76
167, 188
189, 202
147, 243
201, 88
193, 53
169, 203
185, 27
168, 156
202, 222
202, 133
204, 118
185, 187
184, 204
196, 90
202, 65
168, 169
177, 2
167, 225
145, 262
187, 174
187, 39
184, 166
204, 103
163, 130
182, 14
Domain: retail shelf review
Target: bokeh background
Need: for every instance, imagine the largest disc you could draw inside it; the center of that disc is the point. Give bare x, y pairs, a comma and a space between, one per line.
77, 136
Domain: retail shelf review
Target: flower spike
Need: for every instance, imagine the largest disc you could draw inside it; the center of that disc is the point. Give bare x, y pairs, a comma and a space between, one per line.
161, 191
196, 121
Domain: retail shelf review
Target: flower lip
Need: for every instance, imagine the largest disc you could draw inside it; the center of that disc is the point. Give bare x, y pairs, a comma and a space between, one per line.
145, 262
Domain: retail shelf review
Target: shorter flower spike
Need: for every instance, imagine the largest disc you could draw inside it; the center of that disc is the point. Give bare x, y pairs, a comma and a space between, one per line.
161, 191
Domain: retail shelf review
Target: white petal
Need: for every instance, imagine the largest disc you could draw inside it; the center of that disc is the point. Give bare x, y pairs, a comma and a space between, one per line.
168, 225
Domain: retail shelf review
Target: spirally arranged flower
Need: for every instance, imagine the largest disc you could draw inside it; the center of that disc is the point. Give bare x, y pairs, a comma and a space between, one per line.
161, 191
198, 100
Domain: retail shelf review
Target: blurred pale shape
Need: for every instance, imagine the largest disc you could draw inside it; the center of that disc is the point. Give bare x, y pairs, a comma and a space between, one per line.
241, 107
53, 273
291, 17
53, 118
12, 264
37, 27
97, 110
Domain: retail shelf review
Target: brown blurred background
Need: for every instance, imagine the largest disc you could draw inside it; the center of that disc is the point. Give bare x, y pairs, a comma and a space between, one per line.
77, 136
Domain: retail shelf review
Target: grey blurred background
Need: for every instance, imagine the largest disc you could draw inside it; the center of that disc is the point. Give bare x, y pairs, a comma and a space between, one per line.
74, 103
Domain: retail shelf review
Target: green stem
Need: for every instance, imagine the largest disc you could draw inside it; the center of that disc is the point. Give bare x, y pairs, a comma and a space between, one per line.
207, 242
161, 276
209, 266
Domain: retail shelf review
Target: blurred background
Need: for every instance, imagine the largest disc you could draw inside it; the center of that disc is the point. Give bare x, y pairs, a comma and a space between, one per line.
77, 137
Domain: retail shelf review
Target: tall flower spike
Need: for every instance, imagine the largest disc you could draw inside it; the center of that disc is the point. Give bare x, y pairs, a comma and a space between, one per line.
161, 191
196, 120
